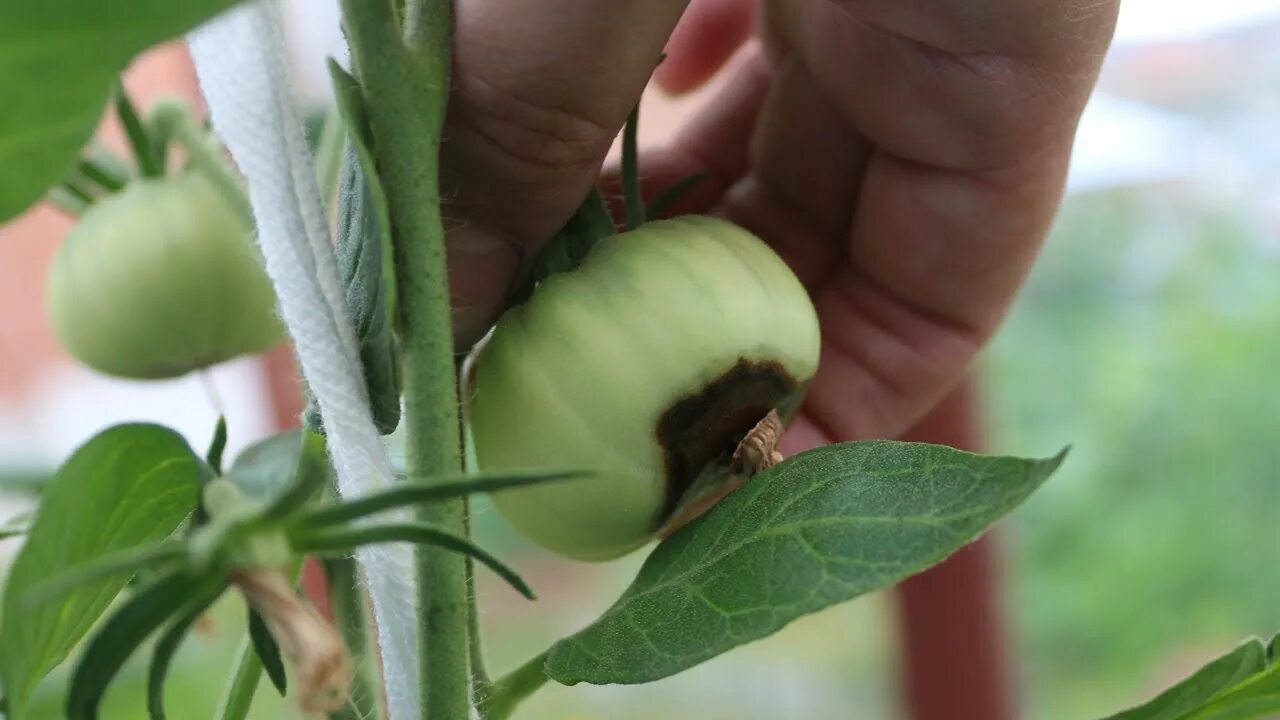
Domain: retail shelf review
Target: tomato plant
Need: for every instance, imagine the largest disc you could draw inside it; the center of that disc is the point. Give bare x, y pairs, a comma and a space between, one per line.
630, 396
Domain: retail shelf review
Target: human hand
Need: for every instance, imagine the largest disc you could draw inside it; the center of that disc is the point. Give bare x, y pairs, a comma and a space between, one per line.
905, 158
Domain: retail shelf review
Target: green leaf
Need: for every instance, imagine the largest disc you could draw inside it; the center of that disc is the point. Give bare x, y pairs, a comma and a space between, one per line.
419, 493
311, 475
823, 527
139, 139
366, 259
566, 251
213, 456
59, 60
122, 563
168, 644
1222, 673
128, 487
1256, 697
1242, 684
345, 539
268, 652
672, 193
281, 472
112, 645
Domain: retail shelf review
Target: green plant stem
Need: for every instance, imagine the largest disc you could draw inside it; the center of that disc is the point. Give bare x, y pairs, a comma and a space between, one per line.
347, 603
238, 697
479, 674
67, 201
499, 700
173, 121
136, 133
405, 76
631, 172
73, 190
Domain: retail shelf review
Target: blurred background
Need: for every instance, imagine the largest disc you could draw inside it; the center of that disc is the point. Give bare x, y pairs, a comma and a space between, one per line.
1148, 339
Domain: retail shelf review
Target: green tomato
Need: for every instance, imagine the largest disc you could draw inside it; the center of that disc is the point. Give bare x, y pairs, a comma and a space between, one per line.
647, 364
161, 279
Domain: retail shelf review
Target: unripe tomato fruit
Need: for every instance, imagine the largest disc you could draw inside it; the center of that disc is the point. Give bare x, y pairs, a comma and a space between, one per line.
160, 279
647, 363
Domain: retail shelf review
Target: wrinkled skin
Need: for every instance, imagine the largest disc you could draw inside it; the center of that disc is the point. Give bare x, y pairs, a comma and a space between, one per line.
906, 158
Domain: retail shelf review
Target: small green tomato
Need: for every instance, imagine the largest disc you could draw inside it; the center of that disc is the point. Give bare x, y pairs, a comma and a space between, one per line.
648, 363
161, 279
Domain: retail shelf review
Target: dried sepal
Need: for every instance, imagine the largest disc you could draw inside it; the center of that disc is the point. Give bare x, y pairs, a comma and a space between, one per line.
313, 648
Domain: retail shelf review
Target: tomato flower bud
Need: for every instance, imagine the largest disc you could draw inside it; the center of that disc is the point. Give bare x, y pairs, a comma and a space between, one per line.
159, 279
648, 363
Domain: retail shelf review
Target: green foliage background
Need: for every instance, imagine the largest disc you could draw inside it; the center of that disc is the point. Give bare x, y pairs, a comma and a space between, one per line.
1149, 338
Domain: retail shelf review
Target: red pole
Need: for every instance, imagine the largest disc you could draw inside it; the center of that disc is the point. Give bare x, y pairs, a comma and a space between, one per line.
954, 663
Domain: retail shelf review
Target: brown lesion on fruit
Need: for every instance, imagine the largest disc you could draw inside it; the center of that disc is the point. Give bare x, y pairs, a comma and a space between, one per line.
732, 421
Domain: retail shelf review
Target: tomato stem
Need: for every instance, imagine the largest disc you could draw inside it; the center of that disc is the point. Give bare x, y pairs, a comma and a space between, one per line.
136, 133
173, 121
499, 700
631, 171
349, 615
405, 79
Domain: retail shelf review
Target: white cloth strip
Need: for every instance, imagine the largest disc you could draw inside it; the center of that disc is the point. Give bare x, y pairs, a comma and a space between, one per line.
240, 60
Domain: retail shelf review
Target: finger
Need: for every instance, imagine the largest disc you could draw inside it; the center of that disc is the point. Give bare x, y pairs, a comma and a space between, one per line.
971, 154
805, 170
540, 89
965, 86
710, 32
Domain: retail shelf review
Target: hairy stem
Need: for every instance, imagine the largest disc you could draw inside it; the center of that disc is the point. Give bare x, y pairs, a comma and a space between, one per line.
405, 74
238, 697
349, 614
173, 121
499, 700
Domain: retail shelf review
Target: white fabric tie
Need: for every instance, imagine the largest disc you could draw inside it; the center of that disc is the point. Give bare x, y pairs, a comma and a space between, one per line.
240, 58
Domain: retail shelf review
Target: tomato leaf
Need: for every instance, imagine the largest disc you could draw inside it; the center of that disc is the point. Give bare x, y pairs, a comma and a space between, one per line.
268, 651
566, 251
59, 60
281, 473
112, 645
329, 539
1242, 684
128, 487
310, 476
443, 488
217, 445
168, 644
366, 259
820, 528
672, 194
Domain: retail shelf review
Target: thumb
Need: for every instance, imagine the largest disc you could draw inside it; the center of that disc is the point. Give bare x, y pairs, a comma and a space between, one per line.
540, 90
